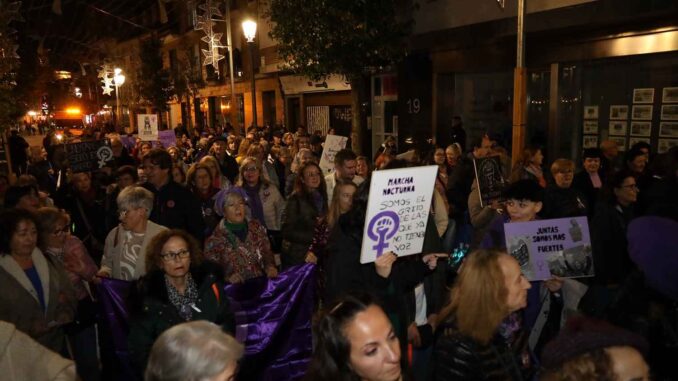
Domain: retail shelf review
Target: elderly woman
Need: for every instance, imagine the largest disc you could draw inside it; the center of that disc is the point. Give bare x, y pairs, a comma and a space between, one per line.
560, 198
241, 246
264, 200
469, 345
196, 350
201, 185
304, 207
179, 287
126, 245
66, 249
37, 296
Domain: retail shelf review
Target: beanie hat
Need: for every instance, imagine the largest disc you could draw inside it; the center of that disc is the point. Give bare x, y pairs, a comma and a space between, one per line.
582, 335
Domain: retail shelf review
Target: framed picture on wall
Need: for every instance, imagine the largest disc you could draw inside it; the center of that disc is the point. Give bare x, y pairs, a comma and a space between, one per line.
590, 112
670, 112
664, 145
633, 140
618, 127
590, 127
641, 128
668, 129
619, 112
643, 95
590, 141
621, 142
642, 112
670, 95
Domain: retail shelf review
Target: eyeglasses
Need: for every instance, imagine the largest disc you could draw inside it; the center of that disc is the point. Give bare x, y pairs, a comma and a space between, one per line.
64, 230
170, 256
122, 213
251, 169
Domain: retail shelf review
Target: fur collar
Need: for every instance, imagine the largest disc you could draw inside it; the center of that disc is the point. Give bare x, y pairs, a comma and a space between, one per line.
42, 267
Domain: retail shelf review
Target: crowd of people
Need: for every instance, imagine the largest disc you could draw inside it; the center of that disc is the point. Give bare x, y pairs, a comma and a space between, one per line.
182, 222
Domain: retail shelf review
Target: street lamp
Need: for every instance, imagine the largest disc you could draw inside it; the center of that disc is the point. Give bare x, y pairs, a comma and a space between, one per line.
249, 27
118, 80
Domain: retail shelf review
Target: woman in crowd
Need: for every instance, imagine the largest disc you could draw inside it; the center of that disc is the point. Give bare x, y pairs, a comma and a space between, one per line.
608, 238
355, 341
201, 185
589, 181
263, 198
300, 159
127, 244
232, 144
288, 140
219, 181
304, 207
489, 287
282, 162
177, 155
241, 246
37, 296
267, 171
242, 149
67, 250
636, 161
178, 174
363, 167
196, 350
528, 167
178, 287
560, 198
22, 197
342, 200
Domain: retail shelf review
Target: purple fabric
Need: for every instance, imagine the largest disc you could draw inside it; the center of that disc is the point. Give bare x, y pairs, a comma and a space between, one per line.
273, 319
112, 296
652, 247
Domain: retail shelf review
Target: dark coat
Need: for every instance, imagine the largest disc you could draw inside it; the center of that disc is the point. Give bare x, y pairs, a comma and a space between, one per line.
582, 182
298, 224
151, 312
459, 357
562, 202
175, 207
610, 248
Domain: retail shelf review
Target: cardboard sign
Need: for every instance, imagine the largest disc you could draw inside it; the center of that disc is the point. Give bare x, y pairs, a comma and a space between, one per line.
490, 179
544, 248
147, 125
88, 156
333, 144
167, 138
397, 211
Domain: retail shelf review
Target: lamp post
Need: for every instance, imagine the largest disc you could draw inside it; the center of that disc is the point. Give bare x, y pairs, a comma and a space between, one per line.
249, 27
118, 80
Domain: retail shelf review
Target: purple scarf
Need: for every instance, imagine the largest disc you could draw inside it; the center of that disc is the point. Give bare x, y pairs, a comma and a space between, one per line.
256, 207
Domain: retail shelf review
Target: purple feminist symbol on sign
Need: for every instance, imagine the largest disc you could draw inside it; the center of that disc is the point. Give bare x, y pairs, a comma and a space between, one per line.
381, 228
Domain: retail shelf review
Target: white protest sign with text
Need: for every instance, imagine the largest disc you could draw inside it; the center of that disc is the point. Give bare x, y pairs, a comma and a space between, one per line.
147, 125
397, 211
333, 144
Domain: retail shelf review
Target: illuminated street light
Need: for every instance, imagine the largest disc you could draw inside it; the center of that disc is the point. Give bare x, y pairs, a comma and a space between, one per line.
118, 80
249, 28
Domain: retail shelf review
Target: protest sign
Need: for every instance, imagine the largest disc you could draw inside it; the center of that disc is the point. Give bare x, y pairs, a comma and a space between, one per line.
167, 138
147, 125
397, 211
333, 144
128, 141
490, 179
544, 248
88, 156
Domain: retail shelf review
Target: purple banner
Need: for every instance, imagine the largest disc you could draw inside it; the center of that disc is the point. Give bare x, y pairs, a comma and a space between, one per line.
167, 138
273, 320
128, 141
544, 248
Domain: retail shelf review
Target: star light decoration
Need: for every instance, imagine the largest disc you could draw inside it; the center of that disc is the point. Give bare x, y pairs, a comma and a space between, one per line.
205, 22
107, 74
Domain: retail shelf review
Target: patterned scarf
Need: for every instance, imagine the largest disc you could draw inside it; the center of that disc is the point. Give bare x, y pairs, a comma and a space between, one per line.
183, 303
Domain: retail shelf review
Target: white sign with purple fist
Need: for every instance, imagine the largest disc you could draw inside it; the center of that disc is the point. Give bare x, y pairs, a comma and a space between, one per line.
397, 211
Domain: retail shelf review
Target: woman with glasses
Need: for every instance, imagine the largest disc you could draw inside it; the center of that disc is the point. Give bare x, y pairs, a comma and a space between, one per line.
179, 286
611, 258
57, 242
240, 245
560, 198
126, 245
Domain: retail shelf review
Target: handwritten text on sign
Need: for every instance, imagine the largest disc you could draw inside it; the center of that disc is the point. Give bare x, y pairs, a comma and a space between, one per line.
397, 211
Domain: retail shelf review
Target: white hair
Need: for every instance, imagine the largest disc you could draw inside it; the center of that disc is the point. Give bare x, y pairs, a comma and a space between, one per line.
193, 351
135, 196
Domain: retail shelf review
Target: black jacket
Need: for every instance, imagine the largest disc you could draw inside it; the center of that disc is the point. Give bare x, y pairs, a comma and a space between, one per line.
563, 202
582, 182
459, 357
151, 312
175, 207
611, 259
298, 224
